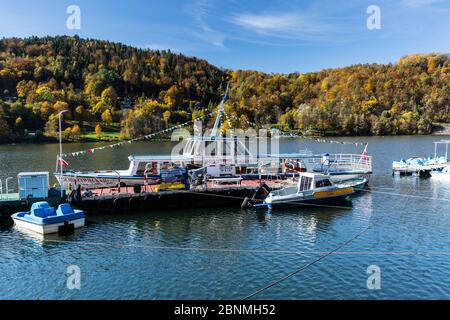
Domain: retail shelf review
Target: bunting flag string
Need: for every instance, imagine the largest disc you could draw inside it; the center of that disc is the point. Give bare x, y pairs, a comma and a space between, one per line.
357, 143
208, 114
286, 134
146, 137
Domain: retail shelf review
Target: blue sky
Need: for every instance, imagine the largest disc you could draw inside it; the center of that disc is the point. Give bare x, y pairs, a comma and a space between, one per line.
271, 36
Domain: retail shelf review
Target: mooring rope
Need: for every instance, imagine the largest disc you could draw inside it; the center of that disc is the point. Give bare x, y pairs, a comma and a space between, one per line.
249, 251
286, 277
243, 198
360, 190
334, 251
406, 195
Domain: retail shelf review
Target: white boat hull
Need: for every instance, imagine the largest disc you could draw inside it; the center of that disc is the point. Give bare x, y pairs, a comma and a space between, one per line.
46, 229
440, 176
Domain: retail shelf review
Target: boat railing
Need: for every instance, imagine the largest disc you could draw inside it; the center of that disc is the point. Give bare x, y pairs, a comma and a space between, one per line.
5, 194
344, 162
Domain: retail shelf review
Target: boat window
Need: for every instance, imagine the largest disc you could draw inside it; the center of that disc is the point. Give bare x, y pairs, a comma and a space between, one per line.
210, 148
323, 183
305, 183
152, 168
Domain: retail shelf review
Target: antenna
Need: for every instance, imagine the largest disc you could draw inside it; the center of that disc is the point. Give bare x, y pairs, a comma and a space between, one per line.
219, 114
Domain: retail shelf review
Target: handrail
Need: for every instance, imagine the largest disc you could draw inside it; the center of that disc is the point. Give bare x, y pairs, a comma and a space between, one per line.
118, 174
7, 187
146, 176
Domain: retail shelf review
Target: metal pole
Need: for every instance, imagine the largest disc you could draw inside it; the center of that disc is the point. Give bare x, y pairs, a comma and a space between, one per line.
61, 182
6, 182
7, 188
446, 152
118, 174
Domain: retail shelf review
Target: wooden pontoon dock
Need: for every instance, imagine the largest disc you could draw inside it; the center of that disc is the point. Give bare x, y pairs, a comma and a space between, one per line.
109, 200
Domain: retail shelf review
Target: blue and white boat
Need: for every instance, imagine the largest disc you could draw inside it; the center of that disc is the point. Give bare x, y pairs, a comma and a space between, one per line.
44, 219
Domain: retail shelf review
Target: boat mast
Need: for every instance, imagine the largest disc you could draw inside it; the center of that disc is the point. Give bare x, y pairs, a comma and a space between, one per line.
219, 114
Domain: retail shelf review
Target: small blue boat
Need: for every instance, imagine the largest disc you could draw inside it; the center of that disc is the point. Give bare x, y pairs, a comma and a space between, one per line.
44, 219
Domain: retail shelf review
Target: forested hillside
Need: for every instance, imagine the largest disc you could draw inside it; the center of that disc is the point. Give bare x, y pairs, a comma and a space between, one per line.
405, 98
117, 87
97, 81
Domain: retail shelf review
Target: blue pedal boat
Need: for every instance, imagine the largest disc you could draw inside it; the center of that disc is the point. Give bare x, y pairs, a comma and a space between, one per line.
44, 219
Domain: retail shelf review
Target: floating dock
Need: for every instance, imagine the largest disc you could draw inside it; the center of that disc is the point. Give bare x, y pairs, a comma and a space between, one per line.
421, 171
423, 167
12, 203
123, 199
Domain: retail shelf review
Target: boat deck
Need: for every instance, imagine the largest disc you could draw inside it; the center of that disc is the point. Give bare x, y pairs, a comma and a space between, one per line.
211, 185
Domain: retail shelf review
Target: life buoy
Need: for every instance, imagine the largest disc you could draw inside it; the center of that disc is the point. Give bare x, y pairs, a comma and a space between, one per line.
135, 202
103, 205
6, 210
117, 203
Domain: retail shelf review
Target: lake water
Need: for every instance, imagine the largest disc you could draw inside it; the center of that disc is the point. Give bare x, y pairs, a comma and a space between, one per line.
403, 226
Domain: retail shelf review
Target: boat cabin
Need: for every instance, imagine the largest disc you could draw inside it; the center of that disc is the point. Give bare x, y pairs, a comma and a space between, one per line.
309, 181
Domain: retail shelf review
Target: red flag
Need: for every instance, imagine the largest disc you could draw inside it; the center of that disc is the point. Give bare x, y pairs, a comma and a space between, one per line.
63, 162
365, 154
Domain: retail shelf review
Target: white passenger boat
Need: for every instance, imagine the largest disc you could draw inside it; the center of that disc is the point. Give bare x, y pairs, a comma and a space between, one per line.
222, 157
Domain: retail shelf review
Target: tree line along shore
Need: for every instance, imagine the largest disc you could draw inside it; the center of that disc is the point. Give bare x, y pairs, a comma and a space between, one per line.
113, 91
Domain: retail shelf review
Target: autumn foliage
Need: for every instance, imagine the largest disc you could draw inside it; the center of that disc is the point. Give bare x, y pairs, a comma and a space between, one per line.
146, 91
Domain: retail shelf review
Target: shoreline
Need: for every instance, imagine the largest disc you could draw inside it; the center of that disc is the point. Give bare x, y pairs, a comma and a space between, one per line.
445, 132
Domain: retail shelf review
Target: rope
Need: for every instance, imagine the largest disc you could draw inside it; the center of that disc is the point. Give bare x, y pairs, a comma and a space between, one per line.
249, 251
406, 195
306, 266
360, 190
240, 198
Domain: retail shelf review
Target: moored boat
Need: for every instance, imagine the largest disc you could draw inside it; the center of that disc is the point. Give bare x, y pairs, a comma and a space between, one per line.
223, 156
44, 219
311, 189
443, 175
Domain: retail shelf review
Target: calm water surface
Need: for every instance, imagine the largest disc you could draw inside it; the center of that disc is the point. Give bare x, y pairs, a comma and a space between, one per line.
230, 253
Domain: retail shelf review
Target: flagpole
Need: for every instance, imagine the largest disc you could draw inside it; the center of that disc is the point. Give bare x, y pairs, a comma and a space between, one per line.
61, 183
